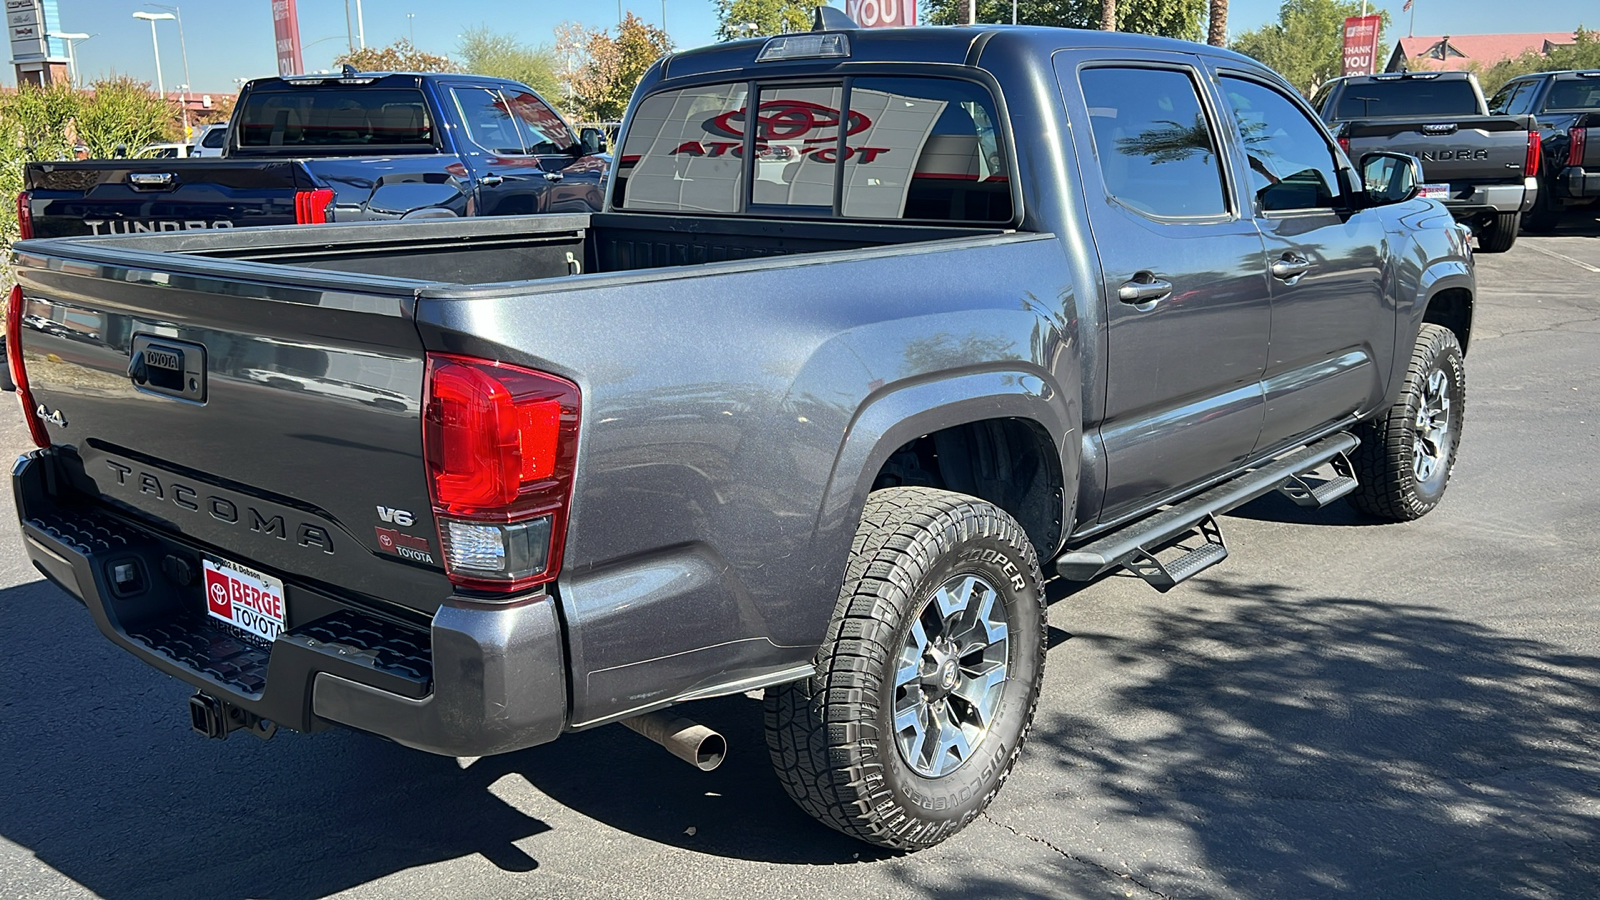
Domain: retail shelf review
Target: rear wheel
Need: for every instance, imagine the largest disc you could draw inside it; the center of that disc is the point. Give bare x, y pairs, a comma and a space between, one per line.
1500, 233
928, 681
1406, 456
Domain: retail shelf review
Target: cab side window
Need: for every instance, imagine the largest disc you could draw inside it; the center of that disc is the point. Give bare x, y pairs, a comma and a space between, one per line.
543, 131
1156, 149
489, 120
1291, 161
1513, 98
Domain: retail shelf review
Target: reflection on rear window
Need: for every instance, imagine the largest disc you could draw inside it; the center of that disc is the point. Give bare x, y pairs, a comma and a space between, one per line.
1407, 98
1579, 93
313, 118
895, 148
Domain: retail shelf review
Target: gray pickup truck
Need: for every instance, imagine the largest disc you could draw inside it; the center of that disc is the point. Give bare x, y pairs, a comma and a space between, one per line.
877, 328
1566, 106
1482, 167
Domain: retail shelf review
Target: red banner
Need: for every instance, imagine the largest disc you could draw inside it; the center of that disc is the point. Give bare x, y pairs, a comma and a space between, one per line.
882, 13
1361, 44
286, 29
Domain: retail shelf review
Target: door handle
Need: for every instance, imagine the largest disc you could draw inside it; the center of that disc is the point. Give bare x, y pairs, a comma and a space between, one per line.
1137, 292
491, 181
1290, 267
553, 176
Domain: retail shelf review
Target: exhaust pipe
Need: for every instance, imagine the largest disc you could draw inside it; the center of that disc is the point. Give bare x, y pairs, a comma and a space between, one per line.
689, 741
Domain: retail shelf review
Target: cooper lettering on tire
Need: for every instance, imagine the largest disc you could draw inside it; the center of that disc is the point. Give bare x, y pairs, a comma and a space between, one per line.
927, 683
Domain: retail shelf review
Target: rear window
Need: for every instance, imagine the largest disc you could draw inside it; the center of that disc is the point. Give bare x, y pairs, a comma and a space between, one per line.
321, 118
214, 138
913, 149
1407, 98
1577, 93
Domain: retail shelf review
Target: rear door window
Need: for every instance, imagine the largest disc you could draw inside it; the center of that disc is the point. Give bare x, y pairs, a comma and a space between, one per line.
919, 149
1156, 149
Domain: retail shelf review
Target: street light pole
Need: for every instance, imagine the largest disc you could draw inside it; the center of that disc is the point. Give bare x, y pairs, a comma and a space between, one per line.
361, 27
155, 43
183, 47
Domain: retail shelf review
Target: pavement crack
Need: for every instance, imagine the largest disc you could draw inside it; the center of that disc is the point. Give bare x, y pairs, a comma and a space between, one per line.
1126, 876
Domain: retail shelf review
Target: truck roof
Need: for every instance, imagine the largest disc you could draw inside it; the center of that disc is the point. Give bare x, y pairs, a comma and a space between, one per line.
1453, 75
957, 45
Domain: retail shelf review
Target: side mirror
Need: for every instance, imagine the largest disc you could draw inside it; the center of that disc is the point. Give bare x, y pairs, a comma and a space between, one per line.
1390, 177
593, 140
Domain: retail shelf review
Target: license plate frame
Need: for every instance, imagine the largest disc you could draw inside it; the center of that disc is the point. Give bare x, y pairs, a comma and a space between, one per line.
1438, 191
249, 600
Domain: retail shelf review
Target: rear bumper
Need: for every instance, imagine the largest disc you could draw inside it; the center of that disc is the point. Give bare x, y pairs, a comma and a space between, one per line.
1499, 198
1576, 183
480, 679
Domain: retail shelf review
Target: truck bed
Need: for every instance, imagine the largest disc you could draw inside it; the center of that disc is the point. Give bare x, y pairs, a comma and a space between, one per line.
524, 248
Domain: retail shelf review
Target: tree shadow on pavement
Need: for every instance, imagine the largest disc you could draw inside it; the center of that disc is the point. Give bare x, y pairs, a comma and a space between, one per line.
1318, 746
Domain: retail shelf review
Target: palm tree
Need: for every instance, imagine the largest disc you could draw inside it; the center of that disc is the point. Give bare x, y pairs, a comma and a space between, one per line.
1108, 15
1218, 34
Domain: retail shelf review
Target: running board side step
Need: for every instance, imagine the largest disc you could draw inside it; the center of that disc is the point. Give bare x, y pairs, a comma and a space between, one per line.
1135, 545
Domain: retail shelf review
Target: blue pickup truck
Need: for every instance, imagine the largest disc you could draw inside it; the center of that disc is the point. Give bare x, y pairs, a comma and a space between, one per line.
349, 148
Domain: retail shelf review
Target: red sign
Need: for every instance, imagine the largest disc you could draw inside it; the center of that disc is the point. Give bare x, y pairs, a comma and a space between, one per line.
286, 29
1361, 44
882, 13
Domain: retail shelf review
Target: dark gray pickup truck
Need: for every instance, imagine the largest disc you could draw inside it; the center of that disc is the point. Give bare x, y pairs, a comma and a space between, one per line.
878, 327
1482, 167
357, 147
1566, 106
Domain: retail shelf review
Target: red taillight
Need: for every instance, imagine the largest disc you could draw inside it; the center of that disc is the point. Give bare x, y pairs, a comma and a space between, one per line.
1344, 144
501, 444
19, 373
24, 216
1576, 139
1530, 166
311, 207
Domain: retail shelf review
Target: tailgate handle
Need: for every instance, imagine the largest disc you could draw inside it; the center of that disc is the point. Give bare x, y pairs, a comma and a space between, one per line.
152, 179
1441, 128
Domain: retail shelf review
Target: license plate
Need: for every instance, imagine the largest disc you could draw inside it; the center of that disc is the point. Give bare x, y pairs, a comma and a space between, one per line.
244, 598
1434, 192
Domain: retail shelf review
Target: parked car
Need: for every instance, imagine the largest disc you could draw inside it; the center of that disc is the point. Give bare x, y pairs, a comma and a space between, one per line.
1482, 167
353, 148
209, 140
1566, 106
163, 151
473, 484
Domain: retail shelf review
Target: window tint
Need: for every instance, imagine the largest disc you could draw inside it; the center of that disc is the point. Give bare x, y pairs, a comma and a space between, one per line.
914, 148
488, 119
214, 138
313, 118
542, 130
1157, 153
1410, 97
1575, 93
924, 148
1509, 96
685, 152
1291, 161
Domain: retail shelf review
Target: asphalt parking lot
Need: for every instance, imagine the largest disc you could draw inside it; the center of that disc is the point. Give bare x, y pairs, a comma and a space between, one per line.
1340, 709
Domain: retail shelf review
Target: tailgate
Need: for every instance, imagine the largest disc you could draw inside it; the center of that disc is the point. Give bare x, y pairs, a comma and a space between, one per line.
1476, 148
271, 416
152, 195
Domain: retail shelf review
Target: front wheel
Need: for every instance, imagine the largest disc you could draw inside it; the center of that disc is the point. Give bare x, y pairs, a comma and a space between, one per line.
1406, 455
927, 683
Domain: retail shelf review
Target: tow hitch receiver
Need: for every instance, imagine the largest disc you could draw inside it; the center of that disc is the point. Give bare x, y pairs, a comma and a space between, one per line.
215, 718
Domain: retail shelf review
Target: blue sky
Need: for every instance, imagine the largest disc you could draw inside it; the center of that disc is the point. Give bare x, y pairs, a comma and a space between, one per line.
232, 39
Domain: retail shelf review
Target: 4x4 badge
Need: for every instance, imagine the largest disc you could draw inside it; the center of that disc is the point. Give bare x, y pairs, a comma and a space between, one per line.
54, 417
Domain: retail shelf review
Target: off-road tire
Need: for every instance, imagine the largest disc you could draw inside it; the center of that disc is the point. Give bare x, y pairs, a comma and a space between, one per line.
832, 737
1386, 462
1500, 233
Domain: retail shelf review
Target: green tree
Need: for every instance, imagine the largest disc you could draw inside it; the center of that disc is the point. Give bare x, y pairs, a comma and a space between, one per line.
611, 67
36, 120
1584, 53
484, 51
123, 113
1306, 44
400, 56
1167, 18
768, 17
